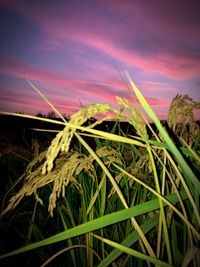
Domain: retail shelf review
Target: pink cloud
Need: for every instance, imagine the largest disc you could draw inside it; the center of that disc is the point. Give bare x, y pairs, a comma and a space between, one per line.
93, 38
157, 102
13, 100
161, 17
20, 69
152, 101
171, 55
100, 70
175, 66
85, 91
17, 104
157, 87
81, 88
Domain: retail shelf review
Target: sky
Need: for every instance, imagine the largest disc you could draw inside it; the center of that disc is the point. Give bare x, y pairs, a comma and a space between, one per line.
71, 51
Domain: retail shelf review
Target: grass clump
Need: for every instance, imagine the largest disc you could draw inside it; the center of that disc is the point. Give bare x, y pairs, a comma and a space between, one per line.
125, 200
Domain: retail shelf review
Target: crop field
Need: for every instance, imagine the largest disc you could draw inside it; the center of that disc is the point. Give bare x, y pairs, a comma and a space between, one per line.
103, 192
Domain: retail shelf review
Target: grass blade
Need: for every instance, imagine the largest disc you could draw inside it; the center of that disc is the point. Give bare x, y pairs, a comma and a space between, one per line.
189, 175
97, 224
134, 253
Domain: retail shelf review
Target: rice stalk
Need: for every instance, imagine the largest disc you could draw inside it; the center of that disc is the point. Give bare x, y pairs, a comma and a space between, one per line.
193, 229
191, 179
113, 182
98, 223
69, 242
66, 250
162, 212
133, 252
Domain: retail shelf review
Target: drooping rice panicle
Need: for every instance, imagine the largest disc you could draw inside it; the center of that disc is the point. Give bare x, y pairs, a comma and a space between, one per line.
63, 139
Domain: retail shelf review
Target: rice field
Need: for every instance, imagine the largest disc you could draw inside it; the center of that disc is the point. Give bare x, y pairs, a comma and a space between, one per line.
108, 198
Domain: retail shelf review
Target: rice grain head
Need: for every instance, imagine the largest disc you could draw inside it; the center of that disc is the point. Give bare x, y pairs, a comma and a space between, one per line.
66, 169
181, 118
135, 119
63, 139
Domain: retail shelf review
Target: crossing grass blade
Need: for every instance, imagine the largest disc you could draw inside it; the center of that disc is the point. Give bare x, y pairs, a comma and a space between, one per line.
165, 200
130, 240
96, 224
134, 253
191, 179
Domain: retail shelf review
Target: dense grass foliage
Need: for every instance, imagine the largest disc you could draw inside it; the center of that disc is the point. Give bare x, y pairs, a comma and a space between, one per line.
102, 195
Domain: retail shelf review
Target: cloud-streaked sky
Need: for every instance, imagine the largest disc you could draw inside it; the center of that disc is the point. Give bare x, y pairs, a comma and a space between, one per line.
70, 49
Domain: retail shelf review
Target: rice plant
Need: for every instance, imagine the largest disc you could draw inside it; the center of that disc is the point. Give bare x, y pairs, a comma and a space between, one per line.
119, 200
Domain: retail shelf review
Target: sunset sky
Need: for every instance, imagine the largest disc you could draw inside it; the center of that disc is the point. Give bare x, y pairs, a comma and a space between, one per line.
70, 50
